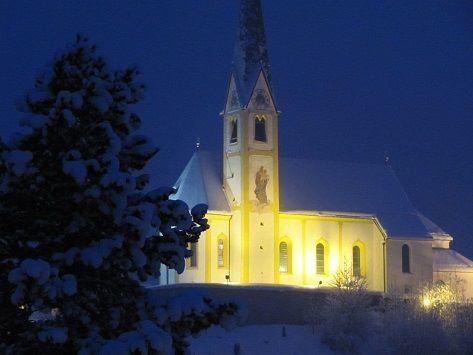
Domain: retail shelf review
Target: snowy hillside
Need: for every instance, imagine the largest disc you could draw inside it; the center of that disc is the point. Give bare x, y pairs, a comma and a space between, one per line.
258, 339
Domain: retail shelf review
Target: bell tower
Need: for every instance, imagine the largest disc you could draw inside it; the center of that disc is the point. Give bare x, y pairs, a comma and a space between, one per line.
250, 166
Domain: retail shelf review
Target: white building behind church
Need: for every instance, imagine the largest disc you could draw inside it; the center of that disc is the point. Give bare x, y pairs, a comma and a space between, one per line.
296, 221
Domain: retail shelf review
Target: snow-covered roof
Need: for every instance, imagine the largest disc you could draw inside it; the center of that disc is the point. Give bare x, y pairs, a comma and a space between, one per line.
351, 188
431, 226
324, 186
201, 182
448, 259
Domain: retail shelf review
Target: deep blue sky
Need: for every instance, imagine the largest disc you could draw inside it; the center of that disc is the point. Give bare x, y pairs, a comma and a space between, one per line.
354, 79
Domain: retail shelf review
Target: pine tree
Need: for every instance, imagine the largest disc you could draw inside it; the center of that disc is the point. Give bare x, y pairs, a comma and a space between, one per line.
77, 230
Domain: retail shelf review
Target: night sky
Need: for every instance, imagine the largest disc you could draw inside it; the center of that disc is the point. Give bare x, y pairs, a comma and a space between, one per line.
354, 80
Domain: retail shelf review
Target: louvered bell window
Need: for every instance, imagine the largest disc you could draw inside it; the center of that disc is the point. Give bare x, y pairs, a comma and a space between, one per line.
234, 131
260, 129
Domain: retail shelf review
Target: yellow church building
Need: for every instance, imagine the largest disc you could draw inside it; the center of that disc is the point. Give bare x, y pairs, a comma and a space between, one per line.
296, 221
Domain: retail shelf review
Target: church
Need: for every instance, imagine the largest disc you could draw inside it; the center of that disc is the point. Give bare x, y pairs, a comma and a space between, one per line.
297, 221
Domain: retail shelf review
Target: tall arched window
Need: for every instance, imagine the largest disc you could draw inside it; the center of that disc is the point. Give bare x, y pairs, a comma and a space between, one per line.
192, 260
320, 259
260, 129
234, 131
284, 258
356, 261
406, 267
220, 252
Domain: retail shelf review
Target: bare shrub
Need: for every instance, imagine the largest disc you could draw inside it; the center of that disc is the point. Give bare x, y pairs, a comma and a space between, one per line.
345, 313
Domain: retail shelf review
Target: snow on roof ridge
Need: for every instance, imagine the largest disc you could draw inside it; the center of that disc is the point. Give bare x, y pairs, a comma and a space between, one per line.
431, 226
448, 259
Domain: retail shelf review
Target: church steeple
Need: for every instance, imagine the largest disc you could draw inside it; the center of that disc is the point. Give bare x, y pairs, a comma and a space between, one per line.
250, 147
250, 53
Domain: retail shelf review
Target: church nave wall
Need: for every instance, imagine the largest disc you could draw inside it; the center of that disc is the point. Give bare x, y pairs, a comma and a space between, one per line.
420, 265
319, 246
213, 253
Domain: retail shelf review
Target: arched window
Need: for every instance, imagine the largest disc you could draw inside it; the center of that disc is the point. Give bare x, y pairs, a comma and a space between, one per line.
356, 261
260, 129
234, 131
320, 259
192, 260
220, 252
283, 258
406, 267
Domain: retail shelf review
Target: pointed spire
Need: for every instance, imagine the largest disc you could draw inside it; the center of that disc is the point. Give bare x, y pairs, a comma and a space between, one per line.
251, 54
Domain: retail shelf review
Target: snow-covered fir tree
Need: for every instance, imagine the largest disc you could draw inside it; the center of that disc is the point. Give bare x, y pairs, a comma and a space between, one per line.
78, 231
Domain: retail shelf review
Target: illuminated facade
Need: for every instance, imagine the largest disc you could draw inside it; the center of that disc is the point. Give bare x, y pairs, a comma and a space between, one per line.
293, 221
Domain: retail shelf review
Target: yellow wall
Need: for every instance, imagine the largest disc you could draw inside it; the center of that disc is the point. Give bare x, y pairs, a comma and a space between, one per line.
339, 235
302, 232
207, 269
383, 271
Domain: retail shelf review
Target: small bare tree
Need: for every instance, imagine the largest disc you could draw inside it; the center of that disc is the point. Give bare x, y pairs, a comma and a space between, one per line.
345, 312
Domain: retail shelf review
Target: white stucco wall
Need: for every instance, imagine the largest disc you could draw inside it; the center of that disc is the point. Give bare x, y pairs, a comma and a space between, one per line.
421, 269
464, 277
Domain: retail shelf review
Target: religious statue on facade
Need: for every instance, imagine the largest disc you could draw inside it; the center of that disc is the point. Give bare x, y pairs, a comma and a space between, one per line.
261, 181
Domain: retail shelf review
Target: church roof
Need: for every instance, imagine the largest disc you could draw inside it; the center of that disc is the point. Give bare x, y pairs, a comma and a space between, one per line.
250, 53
448, 259
201, 182
323, 187
351, 188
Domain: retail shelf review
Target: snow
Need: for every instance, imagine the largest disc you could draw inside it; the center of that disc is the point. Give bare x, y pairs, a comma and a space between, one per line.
34, 121
76, 100
447, 259
94, 254
55, 335
325, 187
41, 316
43, 285
77, 169
37, 269
258, 339
137, 340
113, 175
18, 160
33, 244
102, 98
114, 140
69, 117
69, 285
140, 144
199, 210
200, 182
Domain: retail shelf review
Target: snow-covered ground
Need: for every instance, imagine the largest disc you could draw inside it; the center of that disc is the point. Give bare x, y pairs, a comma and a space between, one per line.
258, 339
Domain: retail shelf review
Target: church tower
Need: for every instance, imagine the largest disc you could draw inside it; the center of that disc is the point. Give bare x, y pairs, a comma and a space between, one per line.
250, 166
